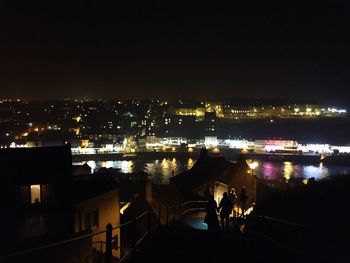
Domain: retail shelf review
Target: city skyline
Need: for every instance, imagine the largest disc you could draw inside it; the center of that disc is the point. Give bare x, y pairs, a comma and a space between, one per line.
114, 121
291, 50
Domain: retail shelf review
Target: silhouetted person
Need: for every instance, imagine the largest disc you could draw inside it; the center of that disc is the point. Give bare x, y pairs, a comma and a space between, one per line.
225, 207
233, 198
243, 198
211, 217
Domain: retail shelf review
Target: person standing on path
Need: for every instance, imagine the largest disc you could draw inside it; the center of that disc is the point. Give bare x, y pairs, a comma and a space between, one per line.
225, 207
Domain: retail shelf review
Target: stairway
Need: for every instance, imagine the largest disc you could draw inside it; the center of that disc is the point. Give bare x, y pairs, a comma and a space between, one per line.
180, 243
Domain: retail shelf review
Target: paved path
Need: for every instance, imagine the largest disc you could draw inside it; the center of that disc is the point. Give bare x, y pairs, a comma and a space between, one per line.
187, 242
179, 243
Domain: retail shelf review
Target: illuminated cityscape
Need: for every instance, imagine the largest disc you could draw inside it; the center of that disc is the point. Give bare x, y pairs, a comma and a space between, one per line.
136, 125
170, 131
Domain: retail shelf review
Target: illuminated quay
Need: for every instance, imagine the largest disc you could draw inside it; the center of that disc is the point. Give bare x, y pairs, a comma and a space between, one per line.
216, 146
212, 143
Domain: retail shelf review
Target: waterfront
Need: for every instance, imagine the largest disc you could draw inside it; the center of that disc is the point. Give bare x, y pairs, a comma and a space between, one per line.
162, 169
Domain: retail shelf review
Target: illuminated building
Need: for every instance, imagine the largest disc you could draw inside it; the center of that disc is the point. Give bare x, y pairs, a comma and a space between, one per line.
36, 182
199, 112
42, 200
275, 145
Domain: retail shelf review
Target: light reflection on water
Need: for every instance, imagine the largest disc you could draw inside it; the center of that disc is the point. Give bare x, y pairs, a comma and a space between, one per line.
318, 172
123, 165
162, 170
268, 170
288, 170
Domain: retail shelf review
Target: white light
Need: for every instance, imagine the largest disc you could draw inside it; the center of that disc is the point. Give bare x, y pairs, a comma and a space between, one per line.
272, 148
238, 144
252, 164
124, 207
210, 141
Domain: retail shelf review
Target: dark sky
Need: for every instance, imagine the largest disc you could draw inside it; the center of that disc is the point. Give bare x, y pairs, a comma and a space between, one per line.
173, 49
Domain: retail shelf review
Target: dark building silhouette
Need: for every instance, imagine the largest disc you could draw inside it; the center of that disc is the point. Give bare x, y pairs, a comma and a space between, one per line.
83, 169
216, 172
42, 202
35, 201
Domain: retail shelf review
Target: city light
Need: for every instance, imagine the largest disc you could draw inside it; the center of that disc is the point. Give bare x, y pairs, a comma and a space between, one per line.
252, 164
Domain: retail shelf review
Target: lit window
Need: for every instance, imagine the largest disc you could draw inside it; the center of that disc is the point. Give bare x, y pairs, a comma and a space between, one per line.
35, 196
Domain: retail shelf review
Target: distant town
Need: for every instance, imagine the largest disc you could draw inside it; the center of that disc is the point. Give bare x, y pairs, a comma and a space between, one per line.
154, 125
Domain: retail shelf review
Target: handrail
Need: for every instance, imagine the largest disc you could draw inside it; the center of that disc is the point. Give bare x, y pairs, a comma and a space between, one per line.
139, 216
130, 221
132, 249
51, 245
141, 238
276, 242
195, 201
191, 209
284, 246
127, 254
124, 224
55, 244
280, 221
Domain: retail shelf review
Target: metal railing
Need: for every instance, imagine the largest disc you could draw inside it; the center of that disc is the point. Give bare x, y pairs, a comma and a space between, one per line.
114, 244
169, 214
193, 207
138, 228
75, 250
286, 235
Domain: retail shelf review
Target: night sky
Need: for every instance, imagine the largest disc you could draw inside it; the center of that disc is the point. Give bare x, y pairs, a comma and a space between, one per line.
281, 49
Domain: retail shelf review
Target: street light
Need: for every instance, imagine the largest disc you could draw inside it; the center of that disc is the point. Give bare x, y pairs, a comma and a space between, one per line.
252, 166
